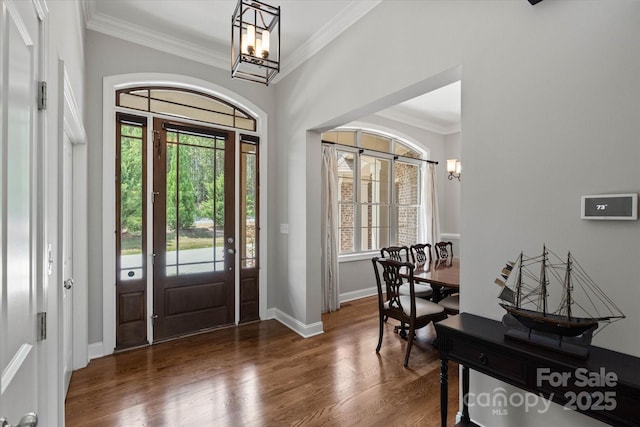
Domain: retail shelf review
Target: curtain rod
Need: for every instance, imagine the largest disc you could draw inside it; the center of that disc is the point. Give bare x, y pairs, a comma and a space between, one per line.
395, 156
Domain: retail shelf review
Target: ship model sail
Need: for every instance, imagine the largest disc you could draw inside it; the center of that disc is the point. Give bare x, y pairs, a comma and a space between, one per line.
546, 277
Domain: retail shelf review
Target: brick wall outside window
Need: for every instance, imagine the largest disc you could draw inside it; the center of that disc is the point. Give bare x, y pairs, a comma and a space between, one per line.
345, 224
406, 186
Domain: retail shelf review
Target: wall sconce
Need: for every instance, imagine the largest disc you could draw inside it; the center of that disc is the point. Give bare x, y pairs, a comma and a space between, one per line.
255, 41
454, 168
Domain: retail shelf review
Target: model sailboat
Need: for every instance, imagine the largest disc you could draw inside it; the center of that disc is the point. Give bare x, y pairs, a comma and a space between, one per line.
583, 305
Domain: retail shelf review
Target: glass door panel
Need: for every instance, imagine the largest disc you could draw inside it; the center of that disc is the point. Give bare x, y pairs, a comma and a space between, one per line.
248, 187
131, 236
193, 229
249, 229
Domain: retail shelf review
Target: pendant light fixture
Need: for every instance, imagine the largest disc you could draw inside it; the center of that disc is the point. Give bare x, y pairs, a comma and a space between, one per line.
255, 41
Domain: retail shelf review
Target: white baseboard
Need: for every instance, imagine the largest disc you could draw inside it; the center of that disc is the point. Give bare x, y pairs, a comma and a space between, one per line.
96, 350
271, 314
353, 295
305, 331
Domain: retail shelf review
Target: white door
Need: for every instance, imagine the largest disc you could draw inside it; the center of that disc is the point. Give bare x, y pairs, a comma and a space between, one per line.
67, 261
18, 346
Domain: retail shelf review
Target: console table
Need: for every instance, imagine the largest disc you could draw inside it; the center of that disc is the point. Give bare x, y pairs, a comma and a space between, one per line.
606, 386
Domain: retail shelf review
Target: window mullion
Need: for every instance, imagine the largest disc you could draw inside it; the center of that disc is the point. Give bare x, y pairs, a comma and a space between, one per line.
393, 226
384, 213
356, 208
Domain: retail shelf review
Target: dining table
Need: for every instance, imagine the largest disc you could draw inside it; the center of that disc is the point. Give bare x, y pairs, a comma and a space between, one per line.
441, 274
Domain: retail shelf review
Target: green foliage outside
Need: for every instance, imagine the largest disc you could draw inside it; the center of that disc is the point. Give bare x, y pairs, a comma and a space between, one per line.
180, 189
195, 180
131, 180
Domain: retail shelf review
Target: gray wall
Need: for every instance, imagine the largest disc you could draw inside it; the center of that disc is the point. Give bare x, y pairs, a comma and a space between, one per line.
107, 56
549, 113
450, 210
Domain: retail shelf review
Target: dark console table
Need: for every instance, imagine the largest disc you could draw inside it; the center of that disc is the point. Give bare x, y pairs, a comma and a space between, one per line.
606, 386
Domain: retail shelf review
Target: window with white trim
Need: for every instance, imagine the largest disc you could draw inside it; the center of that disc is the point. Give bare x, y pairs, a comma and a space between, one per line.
379, 179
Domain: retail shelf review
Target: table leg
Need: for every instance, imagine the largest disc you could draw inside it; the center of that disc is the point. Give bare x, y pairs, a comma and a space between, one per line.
444, 391
437, 293
465, 394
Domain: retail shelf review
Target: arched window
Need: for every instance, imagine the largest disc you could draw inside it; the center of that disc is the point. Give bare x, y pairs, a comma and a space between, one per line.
185, 103
379, 182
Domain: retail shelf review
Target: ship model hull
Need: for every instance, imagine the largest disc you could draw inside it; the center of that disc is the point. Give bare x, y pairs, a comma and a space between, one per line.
551, 323
533, 285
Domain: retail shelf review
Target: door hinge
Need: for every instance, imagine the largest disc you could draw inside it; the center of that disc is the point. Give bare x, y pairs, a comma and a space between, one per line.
42, 95
42, 326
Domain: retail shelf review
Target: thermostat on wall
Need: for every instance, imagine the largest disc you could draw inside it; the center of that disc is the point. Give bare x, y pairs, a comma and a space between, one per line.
610, 206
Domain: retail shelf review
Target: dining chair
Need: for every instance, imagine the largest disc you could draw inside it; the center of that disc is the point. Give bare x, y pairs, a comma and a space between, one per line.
444, 250
396, 253
451, 304
444, 254
401, 253
421, 253
408, 309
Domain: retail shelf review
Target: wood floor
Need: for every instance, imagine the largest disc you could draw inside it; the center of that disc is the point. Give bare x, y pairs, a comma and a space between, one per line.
263, 374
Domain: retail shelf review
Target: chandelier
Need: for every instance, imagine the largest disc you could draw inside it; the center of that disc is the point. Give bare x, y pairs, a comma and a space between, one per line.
255, 41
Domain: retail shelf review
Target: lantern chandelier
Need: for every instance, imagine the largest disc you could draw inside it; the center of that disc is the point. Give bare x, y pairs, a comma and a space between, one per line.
255, 41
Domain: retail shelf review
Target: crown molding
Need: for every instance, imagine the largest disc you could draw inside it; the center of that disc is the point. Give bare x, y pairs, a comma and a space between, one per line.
156, 40
42, 9
420, 123
150, 38
88, 10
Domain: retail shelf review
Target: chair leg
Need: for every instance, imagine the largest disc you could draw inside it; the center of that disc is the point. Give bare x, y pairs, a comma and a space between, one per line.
382, 319
402, 330
409, 344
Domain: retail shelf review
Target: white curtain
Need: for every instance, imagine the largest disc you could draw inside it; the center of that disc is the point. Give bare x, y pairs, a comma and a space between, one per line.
330, 288
429, 217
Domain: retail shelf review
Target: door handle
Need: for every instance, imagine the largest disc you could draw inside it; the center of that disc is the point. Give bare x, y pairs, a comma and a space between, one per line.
29, 420
231, 251
68, 283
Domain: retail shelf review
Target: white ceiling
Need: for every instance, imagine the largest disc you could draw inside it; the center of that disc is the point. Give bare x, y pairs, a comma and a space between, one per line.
200, 30
438, 110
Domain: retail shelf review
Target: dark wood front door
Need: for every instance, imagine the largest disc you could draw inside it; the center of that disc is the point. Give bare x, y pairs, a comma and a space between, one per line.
193, 231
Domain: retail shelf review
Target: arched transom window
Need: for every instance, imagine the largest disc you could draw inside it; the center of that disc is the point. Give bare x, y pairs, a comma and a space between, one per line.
185, 103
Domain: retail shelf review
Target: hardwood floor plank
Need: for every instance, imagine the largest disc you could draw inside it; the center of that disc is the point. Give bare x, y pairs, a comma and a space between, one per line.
263, 374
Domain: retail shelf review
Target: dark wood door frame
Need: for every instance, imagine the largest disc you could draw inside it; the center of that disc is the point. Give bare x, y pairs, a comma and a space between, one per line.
131, 295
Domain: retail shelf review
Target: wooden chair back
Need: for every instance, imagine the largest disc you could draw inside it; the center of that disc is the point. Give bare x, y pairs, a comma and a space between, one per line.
396, 253
421, 253
444, 250
390, 292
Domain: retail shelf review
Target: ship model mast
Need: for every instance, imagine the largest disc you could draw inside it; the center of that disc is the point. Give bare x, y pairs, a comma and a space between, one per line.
528, 298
